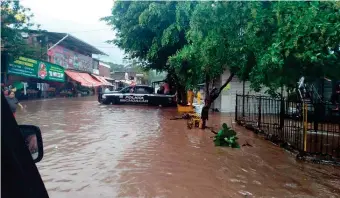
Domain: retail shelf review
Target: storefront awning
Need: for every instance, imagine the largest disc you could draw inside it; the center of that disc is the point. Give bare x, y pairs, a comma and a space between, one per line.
83, 78
102, 79
110, 79
91, 80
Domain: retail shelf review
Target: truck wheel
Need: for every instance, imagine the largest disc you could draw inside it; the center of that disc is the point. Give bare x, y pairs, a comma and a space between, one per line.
105, 102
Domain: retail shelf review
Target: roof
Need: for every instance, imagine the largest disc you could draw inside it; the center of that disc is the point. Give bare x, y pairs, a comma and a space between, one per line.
104, 65
72, 42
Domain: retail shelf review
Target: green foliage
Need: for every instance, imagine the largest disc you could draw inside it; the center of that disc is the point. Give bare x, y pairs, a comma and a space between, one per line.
291, 39
226, 137
15, 21
271, 44
115, 67
149, 30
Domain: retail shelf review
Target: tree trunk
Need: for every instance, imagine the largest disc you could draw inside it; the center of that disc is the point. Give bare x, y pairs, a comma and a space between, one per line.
181, 95
180, 89
207, 84
211, 97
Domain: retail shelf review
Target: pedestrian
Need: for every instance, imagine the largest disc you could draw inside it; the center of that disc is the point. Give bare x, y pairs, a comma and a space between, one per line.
13, 102
6, 91
100, 92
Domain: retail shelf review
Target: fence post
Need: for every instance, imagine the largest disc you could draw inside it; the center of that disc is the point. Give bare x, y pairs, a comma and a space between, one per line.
282, 116
259, 111
317, 114
236, 107
304, 114
243, 98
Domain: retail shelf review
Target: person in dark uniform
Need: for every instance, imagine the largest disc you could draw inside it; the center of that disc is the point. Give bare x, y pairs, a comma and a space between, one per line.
100, 91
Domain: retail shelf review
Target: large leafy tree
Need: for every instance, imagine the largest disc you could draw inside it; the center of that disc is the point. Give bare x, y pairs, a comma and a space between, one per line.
271, 44
216, 43
294, 39
149, 30
15, 22
152, 32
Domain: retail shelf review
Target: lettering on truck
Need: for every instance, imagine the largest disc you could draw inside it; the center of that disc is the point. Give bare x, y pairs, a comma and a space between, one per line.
139, 99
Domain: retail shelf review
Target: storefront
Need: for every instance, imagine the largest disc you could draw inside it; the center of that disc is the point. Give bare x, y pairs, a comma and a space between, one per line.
34, 78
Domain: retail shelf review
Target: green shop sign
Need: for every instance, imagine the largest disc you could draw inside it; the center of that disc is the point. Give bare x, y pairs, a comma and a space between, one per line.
37, 69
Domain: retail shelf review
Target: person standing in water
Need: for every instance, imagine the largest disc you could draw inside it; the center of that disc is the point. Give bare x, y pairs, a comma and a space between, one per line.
13, 102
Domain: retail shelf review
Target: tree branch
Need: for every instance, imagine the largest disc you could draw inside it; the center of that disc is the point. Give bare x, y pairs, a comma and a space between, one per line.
226, 83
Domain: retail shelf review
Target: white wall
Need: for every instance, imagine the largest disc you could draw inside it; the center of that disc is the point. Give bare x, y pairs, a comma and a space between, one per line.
227, 99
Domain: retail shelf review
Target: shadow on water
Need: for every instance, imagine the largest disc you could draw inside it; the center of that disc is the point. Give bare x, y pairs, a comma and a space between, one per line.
135, 151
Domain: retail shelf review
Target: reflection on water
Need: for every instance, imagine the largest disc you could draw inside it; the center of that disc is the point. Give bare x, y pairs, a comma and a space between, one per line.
130, 151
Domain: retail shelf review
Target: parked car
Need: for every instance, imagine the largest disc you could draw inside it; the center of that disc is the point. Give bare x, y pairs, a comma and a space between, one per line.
139, 94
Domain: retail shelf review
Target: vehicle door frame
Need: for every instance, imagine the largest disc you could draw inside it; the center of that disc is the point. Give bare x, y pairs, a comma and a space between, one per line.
124, 94
146, 96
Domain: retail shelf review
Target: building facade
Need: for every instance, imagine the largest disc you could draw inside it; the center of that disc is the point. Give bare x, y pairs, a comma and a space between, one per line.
64, 59
226, 102
104, 69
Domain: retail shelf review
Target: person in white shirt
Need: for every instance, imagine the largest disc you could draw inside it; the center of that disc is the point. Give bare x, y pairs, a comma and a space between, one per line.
106, 90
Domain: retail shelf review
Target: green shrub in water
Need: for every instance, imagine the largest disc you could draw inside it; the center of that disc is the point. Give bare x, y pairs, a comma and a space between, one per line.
226, 137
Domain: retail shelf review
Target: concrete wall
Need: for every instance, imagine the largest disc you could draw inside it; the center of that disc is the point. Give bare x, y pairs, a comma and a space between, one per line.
227, 99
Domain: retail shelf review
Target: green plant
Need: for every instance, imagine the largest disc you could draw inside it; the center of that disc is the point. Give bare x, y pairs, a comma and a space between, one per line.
226, 137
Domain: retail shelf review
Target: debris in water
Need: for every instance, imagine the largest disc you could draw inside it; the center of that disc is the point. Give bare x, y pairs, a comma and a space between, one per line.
226, 137
247, 144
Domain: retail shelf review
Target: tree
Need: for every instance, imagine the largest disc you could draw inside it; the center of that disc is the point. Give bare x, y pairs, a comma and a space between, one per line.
294, 39
15, 21
151, 31
115, 67
216, 44
271, 44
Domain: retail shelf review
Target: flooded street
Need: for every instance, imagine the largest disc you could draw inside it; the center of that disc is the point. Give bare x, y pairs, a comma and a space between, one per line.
93, 150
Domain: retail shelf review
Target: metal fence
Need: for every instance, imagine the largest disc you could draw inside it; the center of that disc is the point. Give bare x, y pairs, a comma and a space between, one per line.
310, 128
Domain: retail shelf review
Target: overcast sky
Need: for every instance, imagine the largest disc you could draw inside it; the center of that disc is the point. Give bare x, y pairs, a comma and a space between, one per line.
79, 18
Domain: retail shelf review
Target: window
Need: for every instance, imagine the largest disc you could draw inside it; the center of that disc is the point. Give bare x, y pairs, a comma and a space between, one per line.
143, 90
126, 90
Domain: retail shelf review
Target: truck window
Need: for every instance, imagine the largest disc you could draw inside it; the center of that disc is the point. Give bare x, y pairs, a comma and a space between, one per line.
125, 90
141, 90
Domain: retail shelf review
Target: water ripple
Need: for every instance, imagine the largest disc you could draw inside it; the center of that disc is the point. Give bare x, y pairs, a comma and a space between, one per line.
101, 151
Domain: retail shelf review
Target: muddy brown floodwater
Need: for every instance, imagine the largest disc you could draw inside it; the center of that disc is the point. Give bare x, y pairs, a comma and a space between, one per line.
94, 151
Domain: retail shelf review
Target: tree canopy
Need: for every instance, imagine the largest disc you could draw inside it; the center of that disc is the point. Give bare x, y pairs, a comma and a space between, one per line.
15, 21
271, 44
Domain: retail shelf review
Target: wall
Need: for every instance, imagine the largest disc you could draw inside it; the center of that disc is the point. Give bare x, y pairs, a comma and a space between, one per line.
95, 63
70, 59
228, 98
104, 70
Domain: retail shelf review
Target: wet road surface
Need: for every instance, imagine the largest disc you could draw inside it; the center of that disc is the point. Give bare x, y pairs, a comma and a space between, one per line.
134, 151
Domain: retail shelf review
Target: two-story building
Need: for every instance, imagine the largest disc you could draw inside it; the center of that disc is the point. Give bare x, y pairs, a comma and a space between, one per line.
64, 60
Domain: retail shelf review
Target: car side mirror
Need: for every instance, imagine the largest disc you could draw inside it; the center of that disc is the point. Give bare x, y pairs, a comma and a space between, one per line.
33, 141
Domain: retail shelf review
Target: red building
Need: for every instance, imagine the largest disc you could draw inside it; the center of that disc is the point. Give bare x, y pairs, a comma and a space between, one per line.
104, 69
